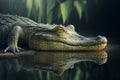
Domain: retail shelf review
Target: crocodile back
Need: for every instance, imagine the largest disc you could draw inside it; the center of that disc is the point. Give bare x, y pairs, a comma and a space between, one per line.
7, 23
14, 19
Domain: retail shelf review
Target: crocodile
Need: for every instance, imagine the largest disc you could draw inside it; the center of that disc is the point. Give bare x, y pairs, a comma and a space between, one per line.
17, 30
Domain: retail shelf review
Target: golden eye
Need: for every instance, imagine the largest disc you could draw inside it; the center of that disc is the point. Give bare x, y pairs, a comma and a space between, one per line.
60, 30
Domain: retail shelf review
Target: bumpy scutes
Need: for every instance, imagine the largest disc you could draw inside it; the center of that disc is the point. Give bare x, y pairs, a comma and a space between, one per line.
17, 29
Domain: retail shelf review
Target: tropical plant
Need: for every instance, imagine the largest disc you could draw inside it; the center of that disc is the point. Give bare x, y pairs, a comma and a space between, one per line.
50, 11
54, 11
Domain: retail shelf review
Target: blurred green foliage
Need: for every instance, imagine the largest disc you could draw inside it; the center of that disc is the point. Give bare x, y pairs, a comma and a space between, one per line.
54, 11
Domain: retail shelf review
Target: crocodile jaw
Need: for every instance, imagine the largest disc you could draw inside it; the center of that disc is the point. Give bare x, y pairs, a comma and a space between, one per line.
41, 44
61, 46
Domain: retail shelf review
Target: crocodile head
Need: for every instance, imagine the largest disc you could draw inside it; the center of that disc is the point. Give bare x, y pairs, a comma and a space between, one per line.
58, 37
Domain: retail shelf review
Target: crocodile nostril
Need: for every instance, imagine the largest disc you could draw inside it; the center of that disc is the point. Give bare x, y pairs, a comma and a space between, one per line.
102, 38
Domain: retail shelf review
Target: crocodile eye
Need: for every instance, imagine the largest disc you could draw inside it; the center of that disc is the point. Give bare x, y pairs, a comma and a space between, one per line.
59, 29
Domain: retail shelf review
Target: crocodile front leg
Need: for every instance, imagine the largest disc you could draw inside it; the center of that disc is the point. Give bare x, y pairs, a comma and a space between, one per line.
13, 40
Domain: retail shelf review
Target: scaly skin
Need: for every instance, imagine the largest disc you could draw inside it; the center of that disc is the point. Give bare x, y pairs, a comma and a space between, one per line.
14, 29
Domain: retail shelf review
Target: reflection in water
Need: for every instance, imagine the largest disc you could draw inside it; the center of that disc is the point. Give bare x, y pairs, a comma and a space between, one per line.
56, 62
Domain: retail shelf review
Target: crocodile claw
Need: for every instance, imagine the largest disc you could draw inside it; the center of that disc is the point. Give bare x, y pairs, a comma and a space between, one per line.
13, 49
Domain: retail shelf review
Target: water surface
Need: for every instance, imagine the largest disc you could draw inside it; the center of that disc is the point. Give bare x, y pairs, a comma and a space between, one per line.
101, 65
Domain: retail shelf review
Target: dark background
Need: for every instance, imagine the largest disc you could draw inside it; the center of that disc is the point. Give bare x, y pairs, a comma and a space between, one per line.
104, 19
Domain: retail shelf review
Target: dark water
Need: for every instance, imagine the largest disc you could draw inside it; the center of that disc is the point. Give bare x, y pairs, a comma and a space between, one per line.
102, 65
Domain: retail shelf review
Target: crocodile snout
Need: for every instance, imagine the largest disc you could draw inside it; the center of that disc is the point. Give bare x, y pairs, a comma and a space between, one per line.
102, 38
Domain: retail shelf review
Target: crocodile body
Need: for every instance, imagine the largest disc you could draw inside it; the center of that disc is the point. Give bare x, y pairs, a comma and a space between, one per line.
17, 29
